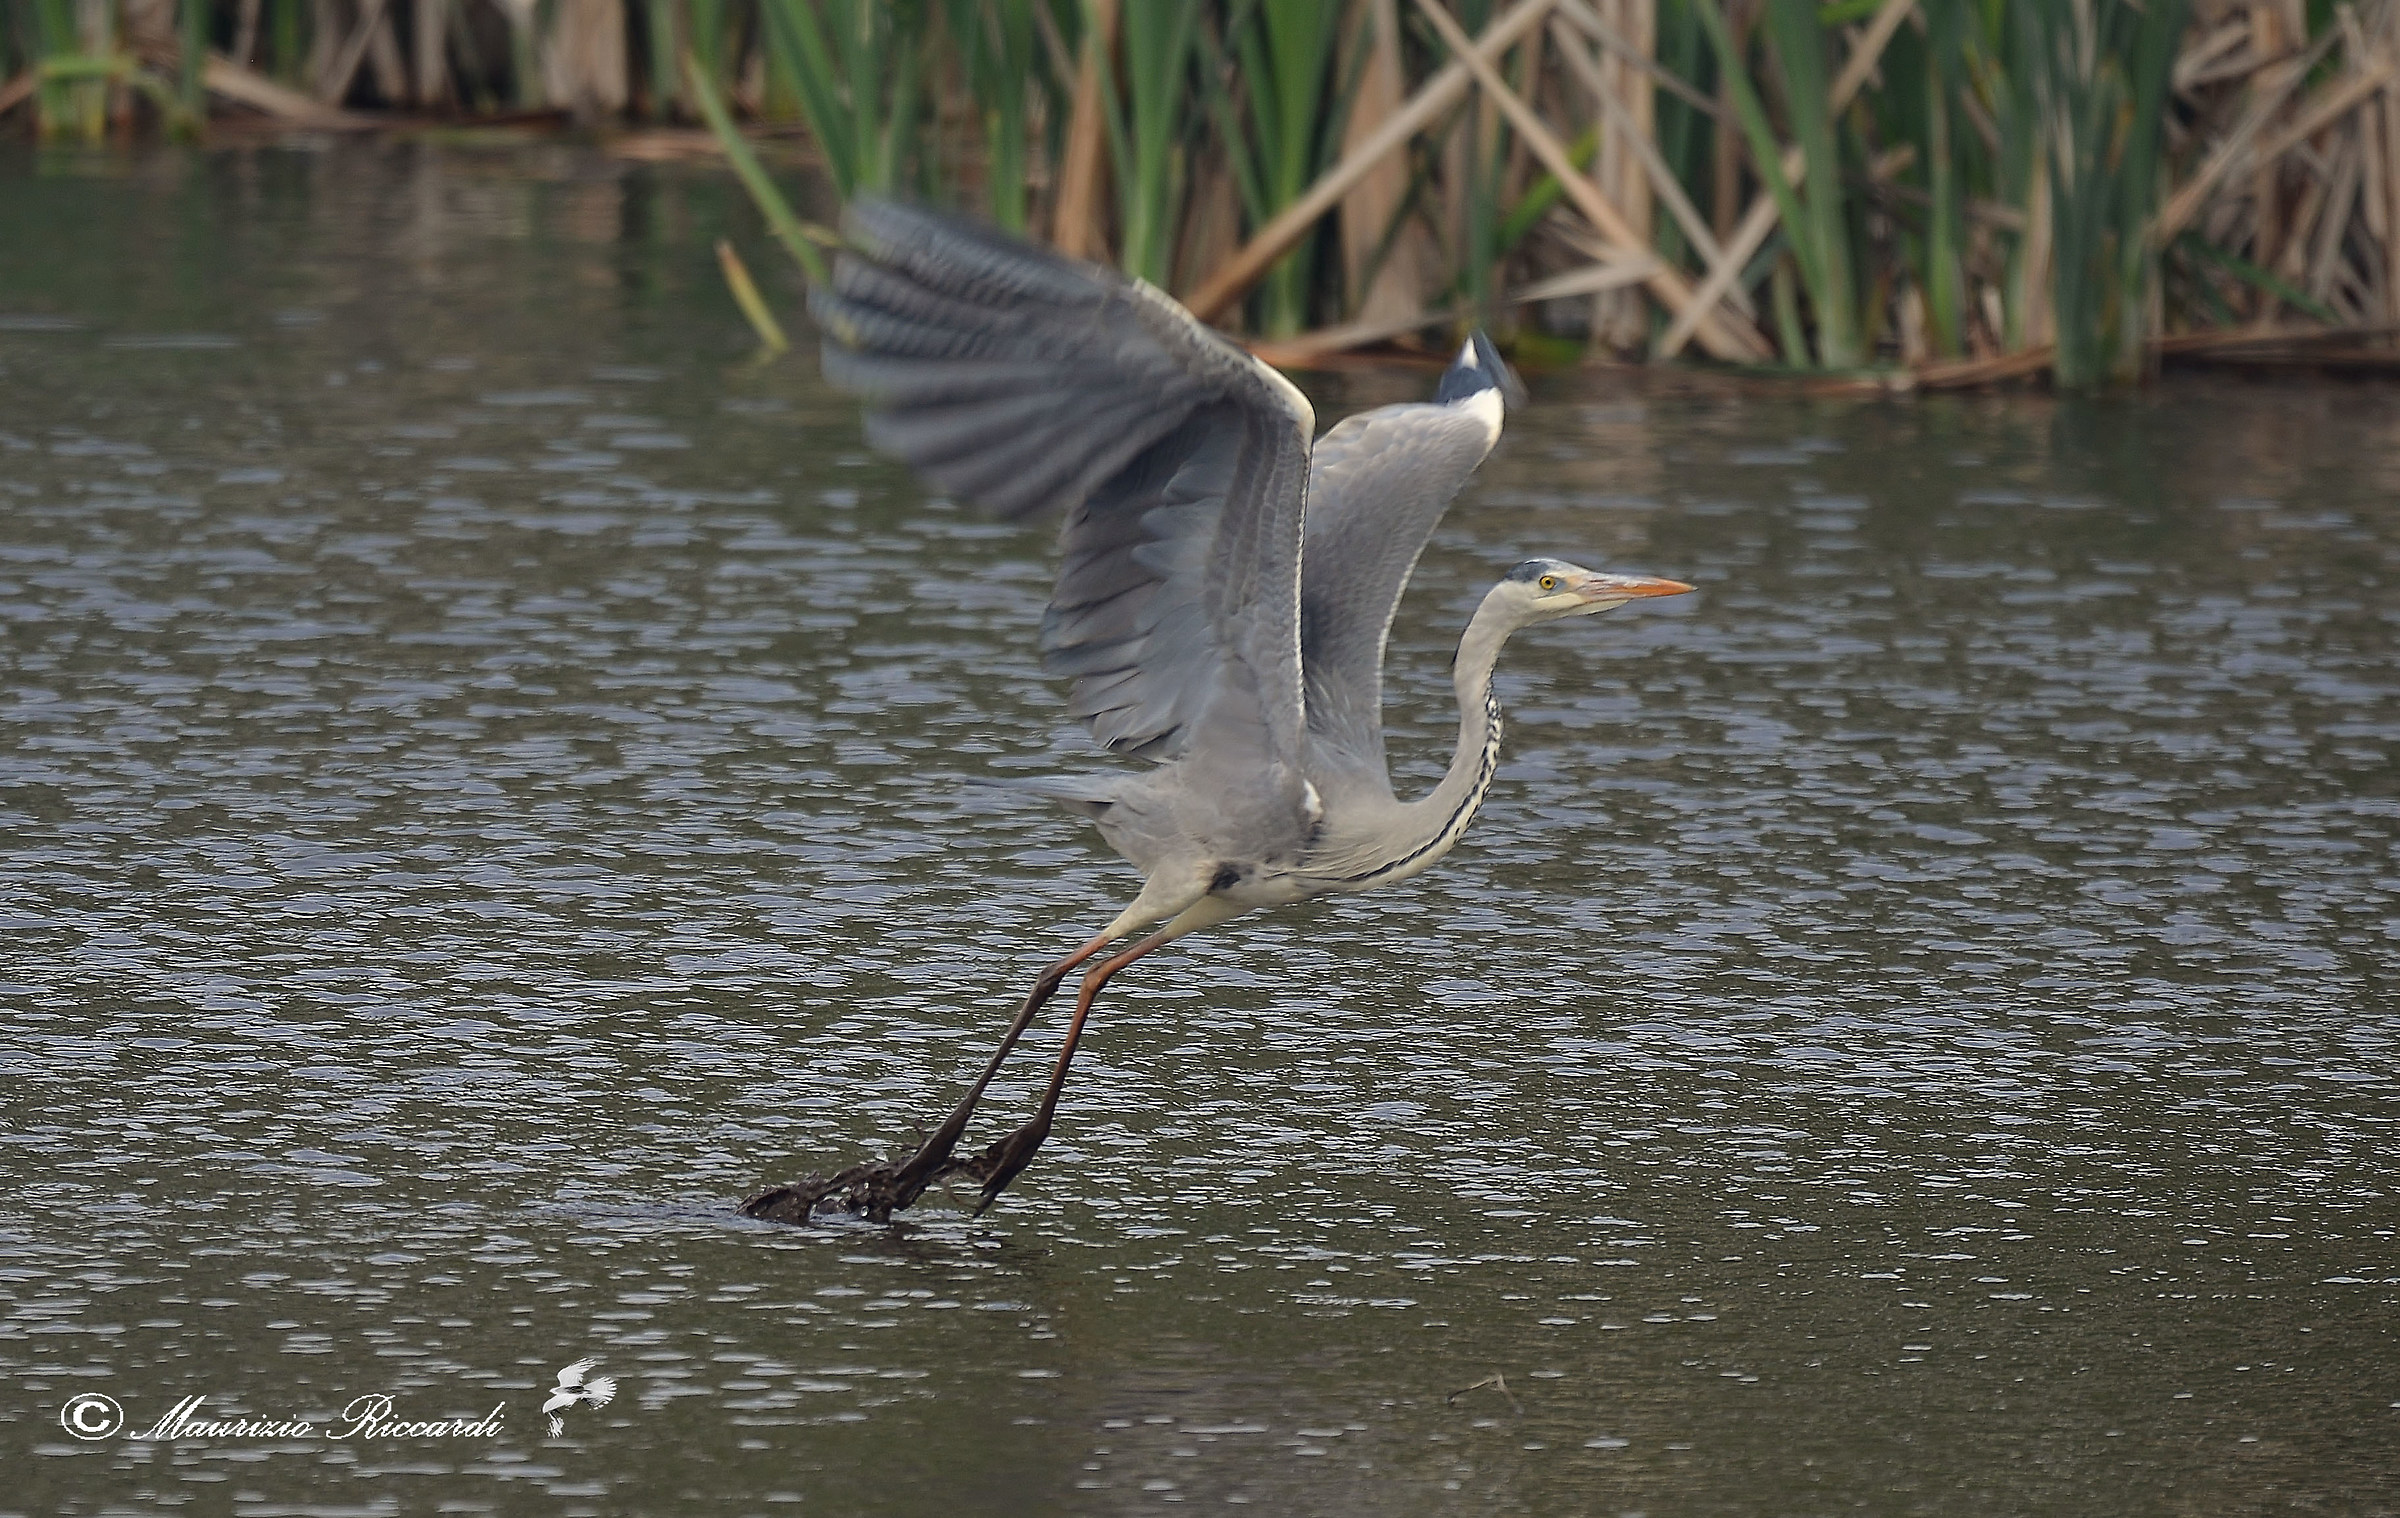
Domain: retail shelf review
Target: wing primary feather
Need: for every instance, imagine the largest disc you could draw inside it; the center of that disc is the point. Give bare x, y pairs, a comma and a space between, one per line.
1019, 379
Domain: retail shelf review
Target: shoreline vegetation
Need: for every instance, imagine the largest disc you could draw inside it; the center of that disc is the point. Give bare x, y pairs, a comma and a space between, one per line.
1873, 194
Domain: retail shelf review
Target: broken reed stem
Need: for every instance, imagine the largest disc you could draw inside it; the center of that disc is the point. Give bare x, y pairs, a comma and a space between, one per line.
1662, 178
1727, 336
771, 340
771, 204
1445, 89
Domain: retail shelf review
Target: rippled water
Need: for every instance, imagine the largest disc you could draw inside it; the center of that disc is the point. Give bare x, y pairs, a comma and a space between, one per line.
481, 790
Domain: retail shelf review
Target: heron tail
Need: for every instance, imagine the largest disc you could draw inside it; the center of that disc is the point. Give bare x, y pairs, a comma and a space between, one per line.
1089, 794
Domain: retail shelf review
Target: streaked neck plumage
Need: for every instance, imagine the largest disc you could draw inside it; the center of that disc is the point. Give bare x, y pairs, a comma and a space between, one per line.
1429, 826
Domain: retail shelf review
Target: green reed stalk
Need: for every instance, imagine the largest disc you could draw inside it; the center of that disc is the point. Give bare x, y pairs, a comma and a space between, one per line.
1544, 193
1783, 291
2003, 78
856, 80
286, 38
788, 228
997, 40
2098, 72
1812, 225
1147, 127
2140, 182
1485, 158
75, 73
665, 48
191, 94
1287, 58
881, 43
797, 49
1800, 47
704, 33
1917, 111
1481, 159
1798, 42
1685, 135
1943, 276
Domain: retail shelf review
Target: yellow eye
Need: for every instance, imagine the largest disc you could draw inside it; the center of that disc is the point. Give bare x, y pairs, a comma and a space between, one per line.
1549, 582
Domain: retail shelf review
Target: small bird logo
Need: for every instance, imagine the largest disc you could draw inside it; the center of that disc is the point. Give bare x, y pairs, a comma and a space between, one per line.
577, 1384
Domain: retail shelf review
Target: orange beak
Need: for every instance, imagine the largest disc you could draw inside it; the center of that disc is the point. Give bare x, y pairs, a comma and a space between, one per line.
1630, 587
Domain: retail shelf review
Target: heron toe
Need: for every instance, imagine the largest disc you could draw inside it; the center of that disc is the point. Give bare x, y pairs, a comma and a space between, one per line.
1000, 1163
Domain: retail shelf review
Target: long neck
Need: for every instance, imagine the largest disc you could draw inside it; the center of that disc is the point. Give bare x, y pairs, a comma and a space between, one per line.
1443, 815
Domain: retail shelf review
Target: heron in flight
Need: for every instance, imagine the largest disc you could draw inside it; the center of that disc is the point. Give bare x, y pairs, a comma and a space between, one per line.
1226, 591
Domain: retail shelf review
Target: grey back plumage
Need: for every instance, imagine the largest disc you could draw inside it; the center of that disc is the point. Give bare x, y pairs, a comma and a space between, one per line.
1020, 379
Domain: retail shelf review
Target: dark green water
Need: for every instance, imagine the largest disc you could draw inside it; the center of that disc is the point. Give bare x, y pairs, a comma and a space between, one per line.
1914, 1030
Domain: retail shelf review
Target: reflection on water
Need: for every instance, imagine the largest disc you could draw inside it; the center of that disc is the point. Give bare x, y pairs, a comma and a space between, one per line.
1914, 1028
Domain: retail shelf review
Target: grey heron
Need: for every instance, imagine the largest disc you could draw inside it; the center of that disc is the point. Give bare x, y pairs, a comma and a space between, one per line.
1222, 606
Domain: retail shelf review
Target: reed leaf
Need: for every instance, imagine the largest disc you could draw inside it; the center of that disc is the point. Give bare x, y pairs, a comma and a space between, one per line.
287, 38
2098, 76
1685, 135
2193, 246
705, 37
66, 101
1148, 118
798, 51
1766, 153
1941, 269
1544, 193
788, 228
191, 99
1798, 42
853, 66
665, 48
1287, 58
771, 341
996, 42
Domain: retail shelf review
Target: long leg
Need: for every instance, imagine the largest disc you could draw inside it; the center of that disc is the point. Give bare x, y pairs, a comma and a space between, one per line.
1004, 1159
912, 1179
878, 1189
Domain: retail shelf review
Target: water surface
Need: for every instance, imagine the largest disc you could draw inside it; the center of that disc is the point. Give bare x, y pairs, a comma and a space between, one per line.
482, 787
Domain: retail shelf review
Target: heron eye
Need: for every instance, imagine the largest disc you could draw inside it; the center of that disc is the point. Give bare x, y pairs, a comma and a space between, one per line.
1549, 582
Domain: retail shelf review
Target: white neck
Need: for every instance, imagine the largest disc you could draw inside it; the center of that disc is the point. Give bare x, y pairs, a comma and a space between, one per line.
1432, 824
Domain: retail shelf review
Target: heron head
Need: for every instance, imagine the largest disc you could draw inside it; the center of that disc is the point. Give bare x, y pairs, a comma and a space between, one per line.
1546, 589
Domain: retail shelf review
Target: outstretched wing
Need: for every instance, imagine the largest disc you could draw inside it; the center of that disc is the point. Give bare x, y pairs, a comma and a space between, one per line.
1020, 380
1377, 485
572, 1376
600, 1390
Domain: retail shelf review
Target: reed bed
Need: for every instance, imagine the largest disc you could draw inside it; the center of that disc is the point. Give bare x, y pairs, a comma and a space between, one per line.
1888, 192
